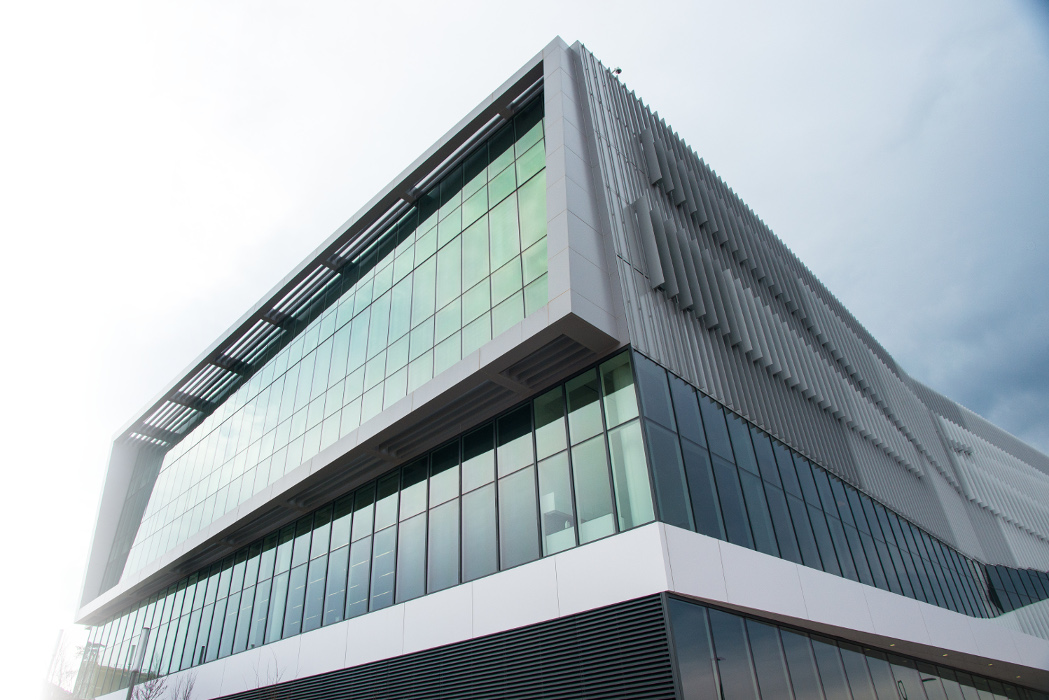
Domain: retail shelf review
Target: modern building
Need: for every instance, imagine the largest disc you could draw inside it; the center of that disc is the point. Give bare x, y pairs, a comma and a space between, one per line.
556, 415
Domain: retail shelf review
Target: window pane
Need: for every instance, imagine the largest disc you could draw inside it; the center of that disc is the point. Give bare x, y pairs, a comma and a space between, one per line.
593, 491
769, 663
655, 393
857, 673
313, 608
413, 488
695, 660
357, 585
714, 423
741, 444
617, 385
686, 410
383, 563
518, 519
278, 600
798, 650
832, 673
705, 509
478, 533
335, 585
444, 473
478, 458
555, 504
296, 597
443, 560
240, 638
411, 559
781, 522
258, 616
733, 657
515, 441
342, 519
363, 511
758, 514
630, 476
584, 408
736, 526
668, 475
386, 502
550, 435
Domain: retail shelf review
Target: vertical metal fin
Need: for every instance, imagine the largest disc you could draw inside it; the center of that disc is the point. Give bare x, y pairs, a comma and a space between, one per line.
653, 266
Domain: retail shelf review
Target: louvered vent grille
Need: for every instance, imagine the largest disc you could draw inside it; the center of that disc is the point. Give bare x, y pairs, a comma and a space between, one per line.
616, 652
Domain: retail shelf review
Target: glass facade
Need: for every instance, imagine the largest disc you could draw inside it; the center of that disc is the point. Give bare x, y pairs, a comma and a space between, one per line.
464, 264
720, 654
563, 469
718, 475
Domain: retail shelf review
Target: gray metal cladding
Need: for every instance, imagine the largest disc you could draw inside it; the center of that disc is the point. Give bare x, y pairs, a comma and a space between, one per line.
741, 318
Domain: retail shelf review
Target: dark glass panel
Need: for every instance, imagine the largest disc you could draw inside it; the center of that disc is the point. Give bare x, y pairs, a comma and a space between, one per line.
841, 545
731, 496
802, 665
654, 391
215, 636
931, 682
766, 458
321, 532
668, 475
799, 514
873, 561
758, 513
908, 682
518, 519
823, 541
787, 474
359, 579
479, 457
555, 504
856, 671
832, 673
742, 447
852, 536
695, 660
705, 507
804, 470
841, 500
225, 579
686, 410
237, 579
384, 560
514, 446
480, 556
335, 585
733, 657
781, 521
769, 663
442, 563
881, 675
313, 608
714, 423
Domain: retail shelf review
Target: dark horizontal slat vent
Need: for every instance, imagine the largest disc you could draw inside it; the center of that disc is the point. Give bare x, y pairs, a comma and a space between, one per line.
615, 652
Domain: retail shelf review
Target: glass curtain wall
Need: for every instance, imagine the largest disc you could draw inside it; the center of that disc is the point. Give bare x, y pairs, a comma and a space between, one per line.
564, 469
720, 654
718, 475
462, 266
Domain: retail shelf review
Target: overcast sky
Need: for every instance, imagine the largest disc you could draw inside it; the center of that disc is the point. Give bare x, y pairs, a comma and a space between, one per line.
162, 165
